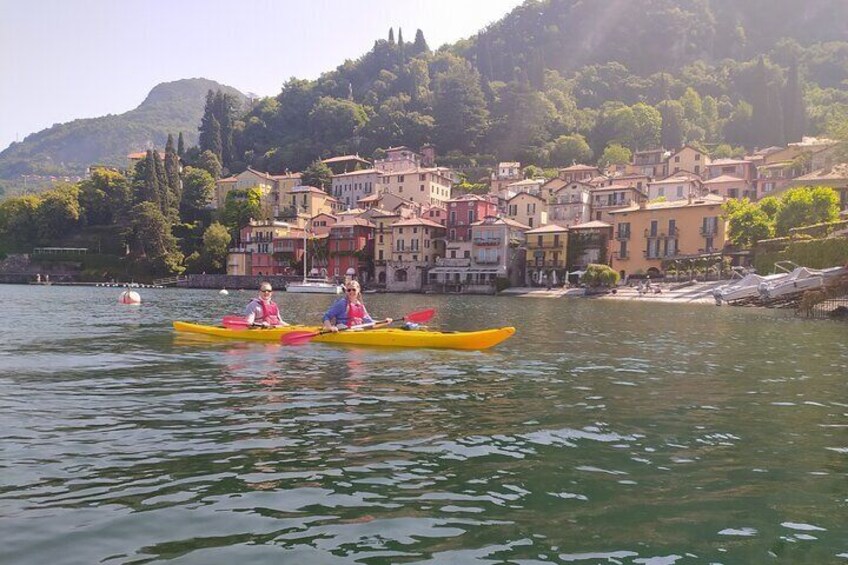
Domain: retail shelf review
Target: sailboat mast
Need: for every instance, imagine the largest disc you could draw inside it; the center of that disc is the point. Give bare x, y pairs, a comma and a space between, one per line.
305, 256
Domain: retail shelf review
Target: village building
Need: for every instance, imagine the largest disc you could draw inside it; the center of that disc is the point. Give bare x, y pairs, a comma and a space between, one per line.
349, 188
571, 204
678, 187
578, 173
350, 250
346, 163
321, 223
729, 186
547, 247
417, 243
688, 159
254, 253
647, 234
507, 173
612, 197
588, 244
527, 209
651, 163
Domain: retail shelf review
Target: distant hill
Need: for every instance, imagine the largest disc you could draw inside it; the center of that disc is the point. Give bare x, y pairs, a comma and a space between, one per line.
67, 149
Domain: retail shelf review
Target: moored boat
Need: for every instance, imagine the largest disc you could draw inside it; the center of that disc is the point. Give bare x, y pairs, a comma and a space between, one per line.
382, 337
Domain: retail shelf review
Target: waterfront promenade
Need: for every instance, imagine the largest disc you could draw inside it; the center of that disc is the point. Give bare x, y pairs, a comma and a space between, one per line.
695, 293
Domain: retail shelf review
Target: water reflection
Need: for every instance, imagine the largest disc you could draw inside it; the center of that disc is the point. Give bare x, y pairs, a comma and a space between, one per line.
599, 433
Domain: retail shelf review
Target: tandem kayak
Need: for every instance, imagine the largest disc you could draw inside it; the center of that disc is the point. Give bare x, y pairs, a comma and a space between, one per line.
387, 337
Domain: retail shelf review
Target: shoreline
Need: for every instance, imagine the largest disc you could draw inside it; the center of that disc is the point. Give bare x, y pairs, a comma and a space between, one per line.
696, 293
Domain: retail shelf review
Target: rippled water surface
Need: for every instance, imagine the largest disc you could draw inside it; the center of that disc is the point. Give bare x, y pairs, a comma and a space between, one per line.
602, 432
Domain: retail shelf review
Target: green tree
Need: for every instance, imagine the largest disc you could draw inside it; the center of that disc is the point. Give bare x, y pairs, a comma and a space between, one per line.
336, 122
648, 124
19, 220
59, 212
804, 206
568, 149
459, 107
600, 275
210, 163
671, 134
216, 240
172, 178
181, 149
420, 44
615, 154
154, 246
748, 224
319, 175
241, 206
794, 111
105, 198
198, 192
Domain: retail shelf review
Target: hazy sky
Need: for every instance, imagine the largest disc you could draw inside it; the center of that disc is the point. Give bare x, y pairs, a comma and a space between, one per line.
66, 59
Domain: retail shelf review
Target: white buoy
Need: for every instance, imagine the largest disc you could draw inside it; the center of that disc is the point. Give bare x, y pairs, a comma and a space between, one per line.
129, 297
223, 292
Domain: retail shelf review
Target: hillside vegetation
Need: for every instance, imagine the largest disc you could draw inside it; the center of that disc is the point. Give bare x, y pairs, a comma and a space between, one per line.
71, 147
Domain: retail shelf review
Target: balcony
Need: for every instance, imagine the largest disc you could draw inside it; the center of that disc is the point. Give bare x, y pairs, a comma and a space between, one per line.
662, 234
708, 231
622, 235
488, 261
453, 262
487, 241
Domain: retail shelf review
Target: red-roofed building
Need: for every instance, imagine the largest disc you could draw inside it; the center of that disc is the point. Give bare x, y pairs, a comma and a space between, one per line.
350, 249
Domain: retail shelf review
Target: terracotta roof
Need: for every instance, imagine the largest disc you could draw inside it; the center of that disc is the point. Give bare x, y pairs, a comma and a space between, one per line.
837, 172
520, 194
418, 222
550, 228
613, 187
353, 222
286, 176
721, 162
673, 180
372, 198
344, 158
359, 172
306, 188
501, 221
594, 224
228, 179
579, 168
708, 200
724, 178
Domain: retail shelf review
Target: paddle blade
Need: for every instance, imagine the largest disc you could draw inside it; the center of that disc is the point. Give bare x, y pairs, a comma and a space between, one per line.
235, 323
297, 337
420, 317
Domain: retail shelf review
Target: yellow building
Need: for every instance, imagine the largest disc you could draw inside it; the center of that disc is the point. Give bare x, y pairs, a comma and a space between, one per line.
383, 243
417, 244
527, 209
647, 234
546, 253
304, 203
425, 186
688, 159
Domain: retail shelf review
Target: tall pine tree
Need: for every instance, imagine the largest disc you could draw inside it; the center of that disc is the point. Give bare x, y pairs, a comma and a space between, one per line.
794, 111
180, 146
172, 174
420, 45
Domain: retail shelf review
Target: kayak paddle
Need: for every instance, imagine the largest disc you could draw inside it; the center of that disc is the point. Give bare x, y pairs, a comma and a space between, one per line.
301, 337
235, 322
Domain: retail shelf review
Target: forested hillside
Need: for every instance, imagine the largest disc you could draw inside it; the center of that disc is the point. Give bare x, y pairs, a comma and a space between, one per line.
69, 148
562, 80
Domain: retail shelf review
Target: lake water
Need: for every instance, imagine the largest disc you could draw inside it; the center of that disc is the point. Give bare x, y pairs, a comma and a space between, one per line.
602, 432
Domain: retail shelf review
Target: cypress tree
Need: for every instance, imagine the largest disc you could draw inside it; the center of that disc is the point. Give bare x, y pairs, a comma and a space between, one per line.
391, 36
160, 183
794, 112
761, 130
206, 140
420, 45
172, 173
180, 146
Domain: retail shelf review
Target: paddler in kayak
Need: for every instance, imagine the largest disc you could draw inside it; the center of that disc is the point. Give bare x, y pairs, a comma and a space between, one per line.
262, 311
348, 311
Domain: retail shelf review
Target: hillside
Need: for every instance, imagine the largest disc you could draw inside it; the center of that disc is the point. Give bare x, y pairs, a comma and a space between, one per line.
68, 148
561, 80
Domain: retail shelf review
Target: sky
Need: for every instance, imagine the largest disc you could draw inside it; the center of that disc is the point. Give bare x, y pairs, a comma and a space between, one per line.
62, 60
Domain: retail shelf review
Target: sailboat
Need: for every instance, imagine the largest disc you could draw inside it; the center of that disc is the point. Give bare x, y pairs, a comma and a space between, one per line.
312, 285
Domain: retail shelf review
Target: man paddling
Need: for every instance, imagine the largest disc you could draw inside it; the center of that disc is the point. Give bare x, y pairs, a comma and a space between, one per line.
262, 311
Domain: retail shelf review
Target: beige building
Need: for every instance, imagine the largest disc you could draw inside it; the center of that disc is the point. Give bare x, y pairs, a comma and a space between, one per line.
508, 172
527, 210
249, 178
612, 197
729, 186
547, 247
420, 185
417, 243
688, 159
571, 204
647, 234
677, 187
349, 188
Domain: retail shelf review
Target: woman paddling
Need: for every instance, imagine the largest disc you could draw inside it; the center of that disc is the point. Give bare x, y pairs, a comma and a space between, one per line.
262, 311
348, 311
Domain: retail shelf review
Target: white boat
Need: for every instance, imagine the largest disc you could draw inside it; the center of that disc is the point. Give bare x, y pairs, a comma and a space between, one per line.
799, 280
746, 287
312, 285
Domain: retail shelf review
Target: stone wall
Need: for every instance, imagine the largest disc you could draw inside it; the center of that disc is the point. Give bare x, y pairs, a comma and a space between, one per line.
234, 281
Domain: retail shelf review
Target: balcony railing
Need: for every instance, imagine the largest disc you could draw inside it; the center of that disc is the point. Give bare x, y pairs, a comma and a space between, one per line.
662, 234
488, 261
453, 262
709, 231
487, 241
622, 235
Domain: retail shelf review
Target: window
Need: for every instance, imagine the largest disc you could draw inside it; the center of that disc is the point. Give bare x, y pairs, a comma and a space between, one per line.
622, 249
422, 177
452, 234
624, 230
680, 192
453, 216
471, 216
539, 241
676, 160
400, 178
380, 255
654, 225
733, 193
697, 158
422, 188
672, 225
661, 191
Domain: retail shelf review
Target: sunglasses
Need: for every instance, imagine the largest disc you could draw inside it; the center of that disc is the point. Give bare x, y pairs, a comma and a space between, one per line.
266, 290
350, 290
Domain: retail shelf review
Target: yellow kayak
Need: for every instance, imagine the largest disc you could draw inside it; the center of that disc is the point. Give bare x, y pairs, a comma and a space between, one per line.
387, 337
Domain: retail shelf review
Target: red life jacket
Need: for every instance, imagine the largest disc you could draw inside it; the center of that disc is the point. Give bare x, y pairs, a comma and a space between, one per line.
355, 314
270, 312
